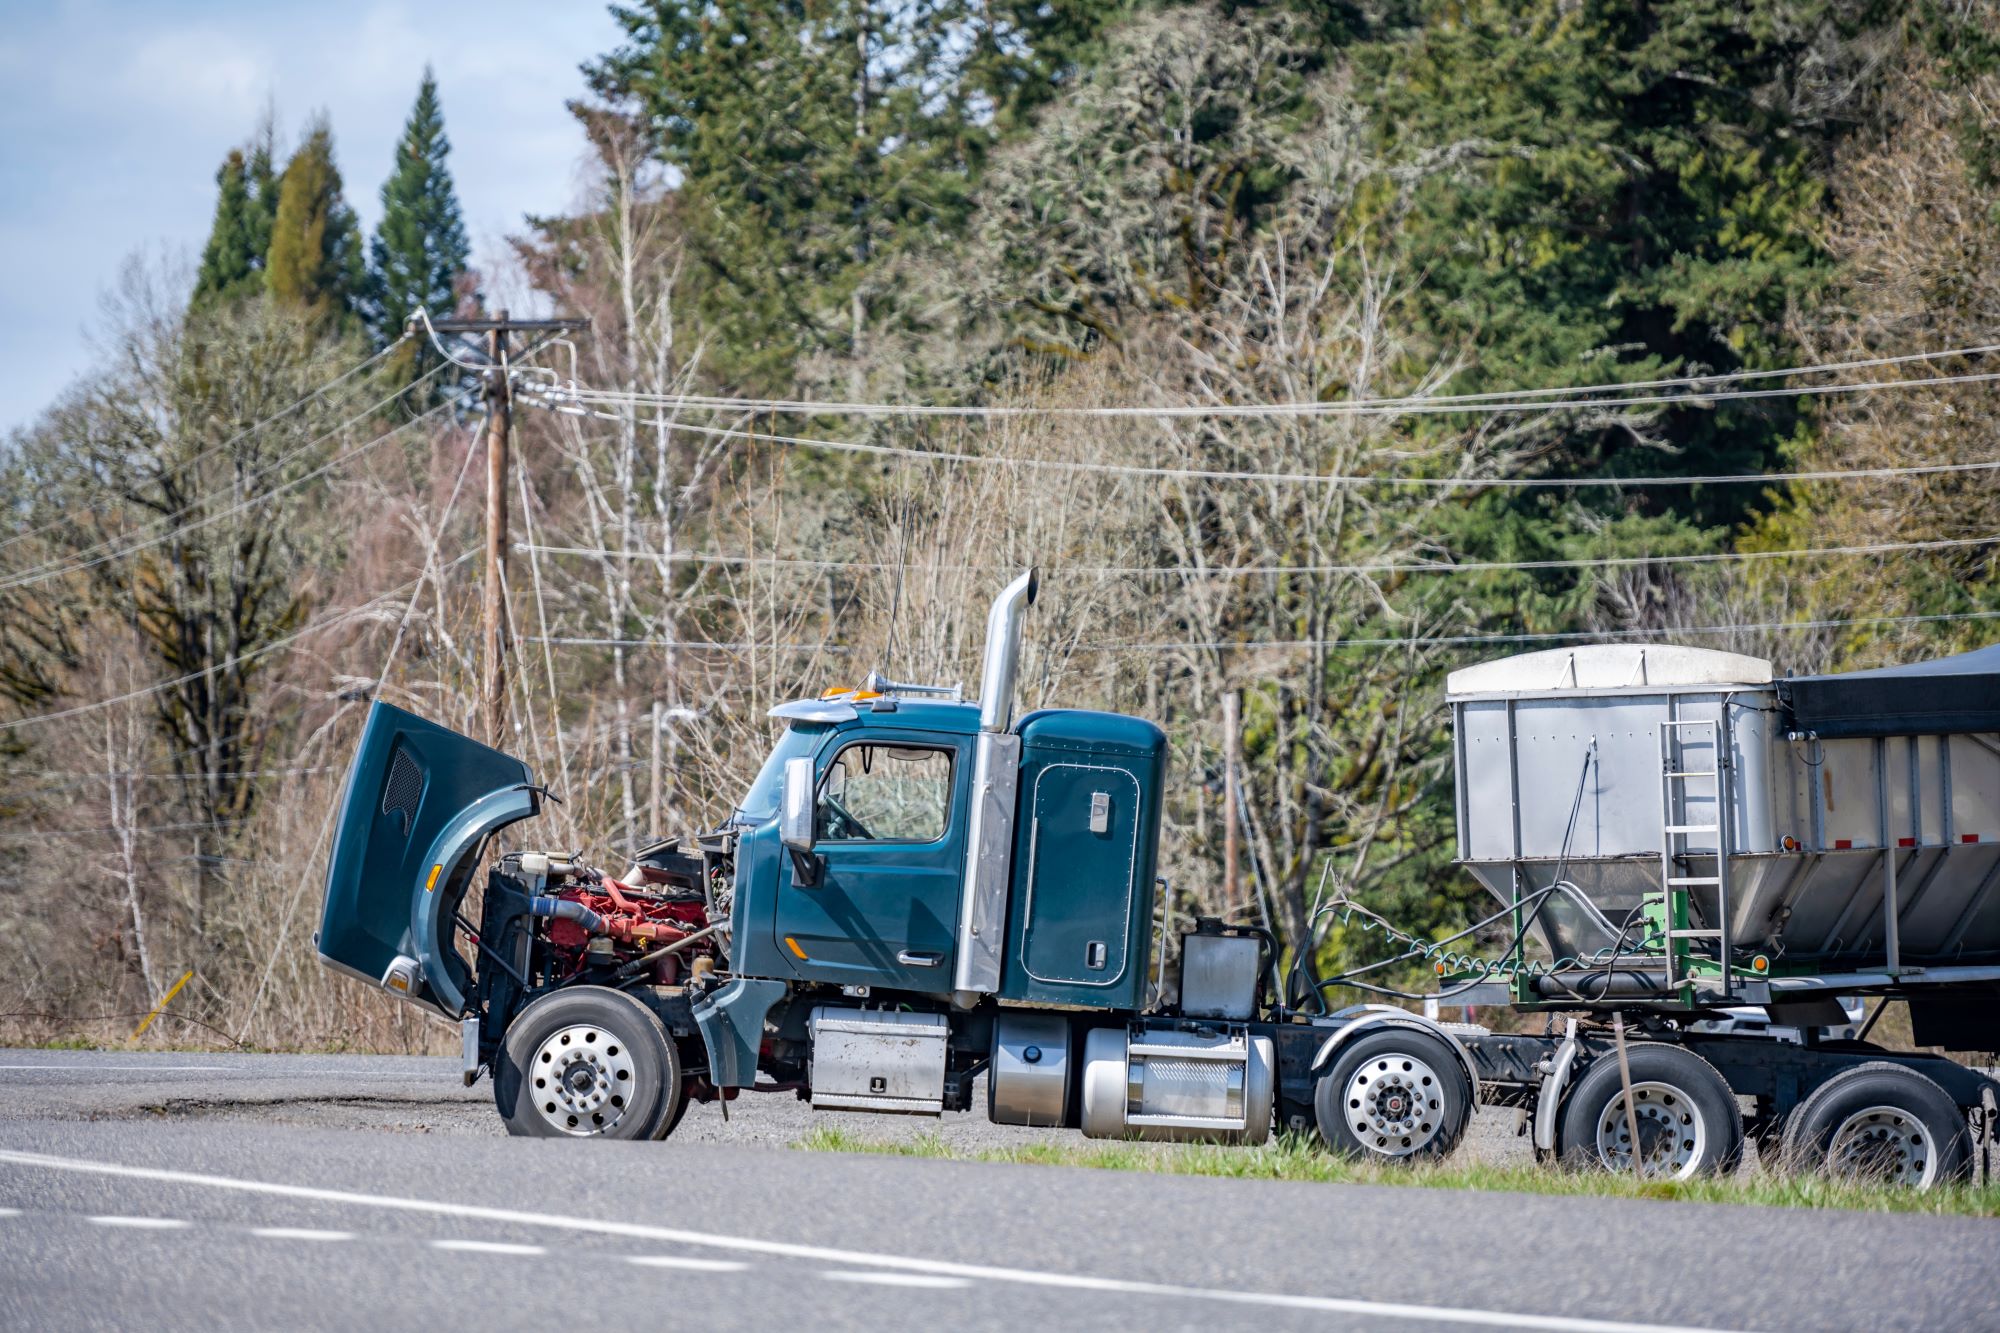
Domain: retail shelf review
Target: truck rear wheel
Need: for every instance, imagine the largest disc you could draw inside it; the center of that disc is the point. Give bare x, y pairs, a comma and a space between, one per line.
1688, 1120
1880, 1121
588, 1062
1395, 1095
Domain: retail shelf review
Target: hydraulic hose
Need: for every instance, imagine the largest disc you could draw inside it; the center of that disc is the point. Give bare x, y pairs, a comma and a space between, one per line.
568, 911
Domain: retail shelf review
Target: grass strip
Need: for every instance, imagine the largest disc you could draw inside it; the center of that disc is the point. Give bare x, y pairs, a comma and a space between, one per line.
1297, 1157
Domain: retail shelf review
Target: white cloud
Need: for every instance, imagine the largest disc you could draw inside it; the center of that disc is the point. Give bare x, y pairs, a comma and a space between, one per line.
200, 75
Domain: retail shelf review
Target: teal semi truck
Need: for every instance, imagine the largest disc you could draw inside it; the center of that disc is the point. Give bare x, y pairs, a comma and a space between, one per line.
919, 896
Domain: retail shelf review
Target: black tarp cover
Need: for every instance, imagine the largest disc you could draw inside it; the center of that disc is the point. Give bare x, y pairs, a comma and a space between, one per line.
1960, 693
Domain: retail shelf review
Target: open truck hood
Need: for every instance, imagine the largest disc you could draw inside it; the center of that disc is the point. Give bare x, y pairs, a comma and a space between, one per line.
419, 804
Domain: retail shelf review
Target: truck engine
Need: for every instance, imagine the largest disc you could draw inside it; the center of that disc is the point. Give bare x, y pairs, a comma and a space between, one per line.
660, 924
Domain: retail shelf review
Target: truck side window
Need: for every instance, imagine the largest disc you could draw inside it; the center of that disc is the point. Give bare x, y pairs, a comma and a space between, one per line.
885, 793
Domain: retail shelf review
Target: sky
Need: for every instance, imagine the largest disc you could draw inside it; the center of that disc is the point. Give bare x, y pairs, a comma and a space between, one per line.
115, 116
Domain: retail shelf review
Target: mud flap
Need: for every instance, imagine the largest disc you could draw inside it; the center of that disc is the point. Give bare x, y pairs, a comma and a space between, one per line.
732, 1028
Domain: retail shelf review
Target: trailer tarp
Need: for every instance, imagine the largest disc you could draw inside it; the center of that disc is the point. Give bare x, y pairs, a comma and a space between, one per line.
1949, 694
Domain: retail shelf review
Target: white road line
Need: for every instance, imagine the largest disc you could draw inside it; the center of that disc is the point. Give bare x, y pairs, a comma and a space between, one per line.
1442, 1314
897, 1279
142, 1223
299, 1233
487, 1247
683, 1262
10, 1212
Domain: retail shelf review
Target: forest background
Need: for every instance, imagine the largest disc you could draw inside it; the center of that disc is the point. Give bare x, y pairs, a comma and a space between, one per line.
262, 510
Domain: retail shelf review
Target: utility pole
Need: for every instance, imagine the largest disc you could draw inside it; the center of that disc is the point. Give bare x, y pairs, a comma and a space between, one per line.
493, 607
493, 619
1232, 763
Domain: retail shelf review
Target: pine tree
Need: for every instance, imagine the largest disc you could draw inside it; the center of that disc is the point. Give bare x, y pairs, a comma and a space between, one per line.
419, 251
813, 144
239, 242
232, 262
1607, 189
261, 174
315, 257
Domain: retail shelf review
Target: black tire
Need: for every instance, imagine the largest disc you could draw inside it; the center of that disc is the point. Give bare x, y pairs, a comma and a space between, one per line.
1689, 1122
1880, 1120
587, 1062
1397, 1095
681, 1104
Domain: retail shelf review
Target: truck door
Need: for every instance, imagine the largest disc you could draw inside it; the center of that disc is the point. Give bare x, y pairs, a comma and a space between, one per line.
889, 830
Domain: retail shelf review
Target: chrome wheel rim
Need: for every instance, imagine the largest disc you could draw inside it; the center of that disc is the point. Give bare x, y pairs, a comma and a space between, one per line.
582, 1077
1394, 1104
1883, 1143
1673, 1133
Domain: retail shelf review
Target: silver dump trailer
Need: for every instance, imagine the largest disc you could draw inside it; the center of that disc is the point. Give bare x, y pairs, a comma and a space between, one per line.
1808, 826
1692, 839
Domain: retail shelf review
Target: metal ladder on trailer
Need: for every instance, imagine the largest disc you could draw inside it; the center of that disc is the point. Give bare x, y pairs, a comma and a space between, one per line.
1679, 737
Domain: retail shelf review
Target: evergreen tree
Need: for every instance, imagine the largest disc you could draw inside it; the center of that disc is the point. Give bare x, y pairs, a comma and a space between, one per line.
419, 251
1607, 189
315, 257
1601, 190
261, 174
232, 262
813, 145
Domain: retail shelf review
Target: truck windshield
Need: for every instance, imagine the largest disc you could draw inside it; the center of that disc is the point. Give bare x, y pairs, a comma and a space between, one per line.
767, 788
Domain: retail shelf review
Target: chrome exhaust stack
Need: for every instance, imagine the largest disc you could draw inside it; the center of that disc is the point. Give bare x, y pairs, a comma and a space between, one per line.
1003, 652
996, 771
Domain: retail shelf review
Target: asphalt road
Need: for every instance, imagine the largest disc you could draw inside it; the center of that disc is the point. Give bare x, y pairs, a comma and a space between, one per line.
222, 1192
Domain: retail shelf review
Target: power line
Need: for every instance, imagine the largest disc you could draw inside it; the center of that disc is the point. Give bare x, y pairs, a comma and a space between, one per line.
80, 563
354, 613
1291, 478
1663, 634
29, 836
49, 780
691, 645
253, 478
1272, 571
1337, 407
241, 435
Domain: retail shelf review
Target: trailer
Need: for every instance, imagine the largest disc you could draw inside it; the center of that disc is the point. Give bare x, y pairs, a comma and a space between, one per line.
918, 892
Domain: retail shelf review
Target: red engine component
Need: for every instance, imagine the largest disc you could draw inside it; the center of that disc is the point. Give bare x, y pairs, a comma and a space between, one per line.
638, 919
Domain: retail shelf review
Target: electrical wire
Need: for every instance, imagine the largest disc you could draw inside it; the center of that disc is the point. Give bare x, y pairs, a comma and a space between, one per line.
241, 435
1664, 633
1263, 571
53, 781
97, 555
1439, 402
431, 570
30, 836
693, 645
1294, 478
370, 608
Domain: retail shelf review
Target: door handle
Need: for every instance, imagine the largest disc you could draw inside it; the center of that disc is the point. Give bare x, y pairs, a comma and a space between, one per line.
919, 958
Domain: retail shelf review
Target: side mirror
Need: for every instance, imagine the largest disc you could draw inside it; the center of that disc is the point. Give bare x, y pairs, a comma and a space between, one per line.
795, 819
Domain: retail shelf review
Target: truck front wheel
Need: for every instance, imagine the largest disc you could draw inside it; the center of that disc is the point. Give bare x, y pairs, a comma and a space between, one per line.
1396, 1095
587, 1062
1686, 1114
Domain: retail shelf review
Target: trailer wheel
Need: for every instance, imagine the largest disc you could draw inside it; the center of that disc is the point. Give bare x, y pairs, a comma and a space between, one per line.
1880, 1121
1396, 1095
587, 1062
1689, 1123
